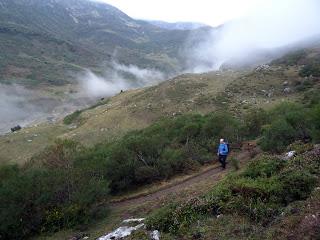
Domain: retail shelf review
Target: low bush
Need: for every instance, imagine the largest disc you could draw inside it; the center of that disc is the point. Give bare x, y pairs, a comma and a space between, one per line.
265, 166
300, 147
277, 136
311, 97
310, 69
8, 171
308, 161
289, 123
72, 118
162, 219
296, 185
253, 122
315, 120
50, 197
235, 163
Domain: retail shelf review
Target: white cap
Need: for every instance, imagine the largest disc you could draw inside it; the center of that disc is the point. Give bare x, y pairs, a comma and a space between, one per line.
221, 140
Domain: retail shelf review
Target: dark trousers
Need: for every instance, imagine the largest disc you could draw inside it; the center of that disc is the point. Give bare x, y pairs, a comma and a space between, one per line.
222, 160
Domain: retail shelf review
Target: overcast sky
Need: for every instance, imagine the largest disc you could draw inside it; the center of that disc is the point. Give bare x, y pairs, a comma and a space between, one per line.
211, 12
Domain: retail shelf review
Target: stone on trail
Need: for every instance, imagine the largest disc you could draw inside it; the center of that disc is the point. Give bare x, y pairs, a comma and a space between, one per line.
121, 232
155, 235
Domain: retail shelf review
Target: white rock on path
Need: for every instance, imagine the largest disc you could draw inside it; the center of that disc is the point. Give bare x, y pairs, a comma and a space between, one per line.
121, 232
289, 155
133, 220
155, 235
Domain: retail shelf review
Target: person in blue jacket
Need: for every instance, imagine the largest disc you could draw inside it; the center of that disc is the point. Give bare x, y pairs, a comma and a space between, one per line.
223, 151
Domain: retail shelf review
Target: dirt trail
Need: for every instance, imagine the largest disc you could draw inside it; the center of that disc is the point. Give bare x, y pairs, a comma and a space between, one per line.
212, 175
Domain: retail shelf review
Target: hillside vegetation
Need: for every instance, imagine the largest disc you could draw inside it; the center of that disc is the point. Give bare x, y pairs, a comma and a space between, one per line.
68, 184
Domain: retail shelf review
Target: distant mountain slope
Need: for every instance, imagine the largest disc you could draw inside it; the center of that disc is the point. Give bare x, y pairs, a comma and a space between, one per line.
44, 40
177, 25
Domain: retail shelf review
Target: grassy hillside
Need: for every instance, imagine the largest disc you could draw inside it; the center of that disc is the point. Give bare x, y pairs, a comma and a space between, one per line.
235, 91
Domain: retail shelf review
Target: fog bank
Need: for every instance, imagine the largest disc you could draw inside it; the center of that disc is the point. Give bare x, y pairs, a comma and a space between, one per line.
119, 77
270, 25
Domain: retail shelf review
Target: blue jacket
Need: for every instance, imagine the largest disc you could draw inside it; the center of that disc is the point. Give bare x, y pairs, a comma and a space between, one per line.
223, 149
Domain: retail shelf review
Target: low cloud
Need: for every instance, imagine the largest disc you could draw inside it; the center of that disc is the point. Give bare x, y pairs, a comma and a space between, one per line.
270, 26
119, 77
22, 106
18, 106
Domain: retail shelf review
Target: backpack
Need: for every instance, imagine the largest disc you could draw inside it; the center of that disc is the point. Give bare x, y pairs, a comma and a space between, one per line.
225, 148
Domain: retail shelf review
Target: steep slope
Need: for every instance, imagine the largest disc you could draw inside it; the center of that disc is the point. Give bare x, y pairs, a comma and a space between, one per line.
44, 40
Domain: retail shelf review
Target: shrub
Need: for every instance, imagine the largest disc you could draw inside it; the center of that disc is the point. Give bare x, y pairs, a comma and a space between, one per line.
300, 147
296, 185
264, 189
308, 161
48, 197
315, 119
141, 235
310, 69
176, 159
146, 174
200, 152
235, 163
253, 122
312, 97
258, 210
7, 172
222, 124
265, 166
277, 136
60, 155
161, 219
72, 118
288, 123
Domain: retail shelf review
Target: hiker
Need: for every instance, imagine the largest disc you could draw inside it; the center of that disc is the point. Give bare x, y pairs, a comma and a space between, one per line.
223, 151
